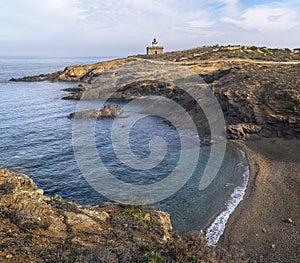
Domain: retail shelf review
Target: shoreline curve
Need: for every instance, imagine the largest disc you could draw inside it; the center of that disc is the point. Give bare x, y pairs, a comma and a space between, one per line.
265, 226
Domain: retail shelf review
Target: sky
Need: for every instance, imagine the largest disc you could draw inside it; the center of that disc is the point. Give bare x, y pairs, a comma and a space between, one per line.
122, 28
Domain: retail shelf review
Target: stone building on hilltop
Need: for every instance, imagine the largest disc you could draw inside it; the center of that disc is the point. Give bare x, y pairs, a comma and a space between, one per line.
155, 49
297, 50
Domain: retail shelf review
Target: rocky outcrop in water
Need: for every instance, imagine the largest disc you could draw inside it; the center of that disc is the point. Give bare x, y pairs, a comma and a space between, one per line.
43, 77
109, 111
77, 73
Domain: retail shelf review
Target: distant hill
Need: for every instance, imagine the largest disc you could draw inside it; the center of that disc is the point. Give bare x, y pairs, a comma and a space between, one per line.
228, 52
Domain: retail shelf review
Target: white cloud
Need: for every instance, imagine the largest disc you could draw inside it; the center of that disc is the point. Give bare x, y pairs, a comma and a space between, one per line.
229, 2
34, 18
230, 7
201, 23
58, 8
141, 18
127, 26
266, 19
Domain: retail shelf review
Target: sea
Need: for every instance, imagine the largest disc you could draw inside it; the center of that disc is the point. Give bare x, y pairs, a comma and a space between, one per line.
36, 139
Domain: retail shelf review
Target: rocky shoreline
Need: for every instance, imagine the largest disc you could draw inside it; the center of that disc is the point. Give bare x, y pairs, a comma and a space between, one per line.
260, 101
36, 228
264, 227
259, 98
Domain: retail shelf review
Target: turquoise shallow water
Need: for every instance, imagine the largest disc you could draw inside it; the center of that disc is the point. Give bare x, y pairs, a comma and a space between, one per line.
36, 138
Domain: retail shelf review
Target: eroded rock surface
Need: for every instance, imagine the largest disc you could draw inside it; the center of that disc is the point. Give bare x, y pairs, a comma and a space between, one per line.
36, 228
261, 100
257, 100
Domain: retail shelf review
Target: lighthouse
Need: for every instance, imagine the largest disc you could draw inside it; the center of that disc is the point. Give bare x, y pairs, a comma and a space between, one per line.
155, 49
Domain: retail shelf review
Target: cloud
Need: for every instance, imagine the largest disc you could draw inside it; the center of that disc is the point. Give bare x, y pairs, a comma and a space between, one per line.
158, 13
229, 2
127, 26
266, 19
230, 7
31, 18
201, 23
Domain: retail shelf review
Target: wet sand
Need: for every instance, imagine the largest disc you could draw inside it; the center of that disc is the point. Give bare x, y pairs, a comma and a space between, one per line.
259, 229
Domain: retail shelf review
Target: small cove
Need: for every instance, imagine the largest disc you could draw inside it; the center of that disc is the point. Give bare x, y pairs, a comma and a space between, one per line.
36, 139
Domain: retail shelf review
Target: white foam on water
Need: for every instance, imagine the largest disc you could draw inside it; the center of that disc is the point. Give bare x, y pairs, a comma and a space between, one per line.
217, 228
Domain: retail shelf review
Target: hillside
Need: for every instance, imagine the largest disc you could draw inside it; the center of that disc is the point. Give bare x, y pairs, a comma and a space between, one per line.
228, 52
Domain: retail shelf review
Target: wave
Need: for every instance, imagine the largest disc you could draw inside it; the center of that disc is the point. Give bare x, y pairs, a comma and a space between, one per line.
216, 229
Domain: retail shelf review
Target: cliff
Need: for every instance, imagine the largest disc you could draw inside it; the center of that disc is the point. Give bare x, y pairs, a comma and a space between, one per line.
260, 100
36, 228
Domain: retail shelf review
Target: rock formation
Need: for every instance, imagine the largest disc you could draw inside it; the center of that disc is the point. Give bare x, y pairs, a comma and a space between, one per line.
262, 100
257, 100
33, 225
108, 111
36, 228
77, 73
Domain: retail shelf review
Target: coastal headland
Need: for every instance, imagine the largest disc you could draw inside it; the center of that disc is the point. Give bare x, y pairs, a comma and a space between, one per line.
258, 90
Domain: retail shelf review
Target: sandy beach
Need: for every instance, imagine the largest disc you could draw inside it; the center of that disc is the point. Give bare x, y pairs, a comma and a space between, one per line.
265, 226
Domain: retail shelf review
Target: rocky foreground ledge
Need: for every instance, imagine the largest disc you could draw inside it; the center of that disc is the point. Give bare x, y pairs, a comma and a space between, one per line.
264, 228
36, 228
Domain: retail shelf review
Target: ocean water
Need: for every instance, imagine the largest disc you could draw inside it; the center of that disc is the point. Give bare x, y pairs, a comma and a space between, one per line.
36, 139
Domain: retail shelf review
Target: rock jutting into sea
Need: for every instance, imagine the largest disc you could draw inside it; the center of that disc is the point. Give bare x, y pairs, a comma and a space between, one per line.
109, 111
